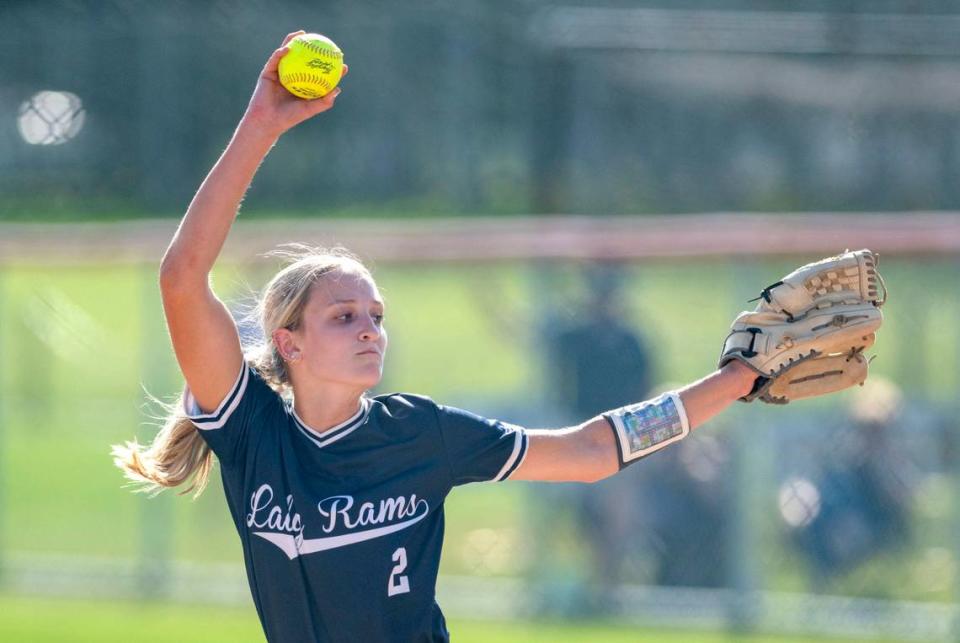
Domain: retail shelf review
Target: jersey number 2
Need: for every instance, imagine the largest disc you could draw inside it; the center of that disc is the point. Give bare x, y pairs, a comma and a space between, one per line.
398, 584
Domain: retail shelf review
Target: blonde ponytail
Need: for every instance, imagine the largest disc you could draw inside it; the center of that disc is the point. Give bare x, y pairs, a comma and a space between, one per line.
176, 455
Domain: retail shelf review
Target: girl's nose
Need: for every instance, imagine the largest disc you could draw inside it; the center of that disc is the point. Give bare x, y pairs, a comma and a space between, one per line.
370, 331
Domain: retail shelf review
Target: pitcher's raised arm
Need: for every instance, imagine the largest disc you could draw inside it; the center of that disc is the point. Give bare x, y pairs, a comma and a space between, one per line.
203, 333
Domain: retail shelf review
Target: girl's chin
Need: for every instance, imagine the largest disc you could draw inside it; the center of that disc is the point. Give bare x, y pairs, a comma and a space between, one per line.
372, 379
364, 378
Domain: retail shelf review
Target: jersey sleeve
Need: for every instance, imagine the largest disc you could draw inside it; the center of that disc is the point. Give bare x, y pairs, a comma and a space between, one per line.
479, 449
227, 429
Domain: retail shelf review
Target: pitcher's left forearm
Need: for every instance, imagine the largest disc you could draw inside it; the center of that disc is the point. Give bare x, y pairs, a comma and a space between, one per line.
589, 452
705, 398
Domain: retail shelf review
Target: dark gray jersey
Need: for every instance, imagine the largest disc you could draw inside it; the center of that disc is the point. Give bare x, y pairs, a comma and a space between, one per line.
342, 530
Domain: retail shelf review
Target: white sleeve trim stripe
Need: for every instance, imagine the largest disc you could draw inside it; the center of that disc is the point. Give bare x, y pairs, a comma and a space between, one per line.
519, 448
523, 456
217, 419
209, 416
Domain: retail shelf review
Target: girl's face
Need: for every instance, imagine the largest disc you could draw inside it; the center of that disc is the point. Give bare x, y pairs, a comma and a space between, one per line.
341, 337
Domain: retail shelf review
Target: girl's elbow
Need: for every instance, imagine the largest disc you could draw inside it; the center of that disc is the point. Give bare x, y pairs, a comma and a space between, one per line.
596, 475
171, 270
602, 462
177, 274
595, 469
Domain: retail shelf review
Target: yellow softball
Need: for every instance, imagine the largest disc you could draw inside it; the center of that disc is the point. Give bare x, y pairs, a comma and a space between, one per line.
312, 67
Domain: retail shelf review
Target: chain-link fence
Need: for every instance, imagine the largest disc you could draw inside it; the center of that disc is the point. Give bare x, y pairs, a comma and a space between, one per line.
835, 515
489, 107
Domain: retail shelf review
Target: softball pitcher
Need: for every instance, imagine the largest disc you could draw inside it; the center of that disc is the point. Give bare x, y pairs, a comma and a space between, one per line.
337, 496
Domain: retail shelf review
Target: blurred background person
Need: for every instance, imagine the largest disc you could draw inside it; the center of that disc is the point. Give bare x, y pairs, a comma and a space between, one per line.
859, 500
598, 359
662, 523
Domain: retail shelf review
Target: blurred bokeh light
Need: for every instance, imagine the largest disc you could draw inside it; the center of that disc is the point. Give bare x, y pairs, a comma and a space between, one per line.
51, 118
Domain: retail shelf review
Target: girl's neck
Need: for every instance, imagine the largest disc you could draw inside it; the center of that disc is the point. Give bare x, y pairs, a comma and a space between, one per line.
321, 412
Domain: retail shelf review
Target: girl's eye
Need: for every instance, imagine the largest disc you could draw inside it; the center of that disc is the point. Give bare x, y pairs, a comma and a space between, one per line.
348, 317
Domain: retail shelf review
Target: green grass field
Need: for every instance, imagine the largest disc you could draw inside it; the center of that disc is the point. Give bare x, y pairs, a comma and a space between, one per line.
34, 620
76, 345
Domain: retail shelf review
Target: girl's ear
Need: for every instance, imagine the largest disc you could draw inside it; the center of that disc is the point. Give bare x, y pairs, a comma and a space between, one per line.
287, 344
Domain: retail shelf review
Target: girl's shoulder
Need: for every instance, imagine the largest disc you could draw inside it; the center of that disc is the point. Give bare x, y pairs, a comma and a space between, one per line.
404, 402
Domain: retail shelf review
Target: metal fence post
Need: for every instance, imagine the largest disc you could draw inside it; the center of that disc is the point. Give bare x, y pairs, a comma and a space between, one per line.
3, 576
744, 573
954, 464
